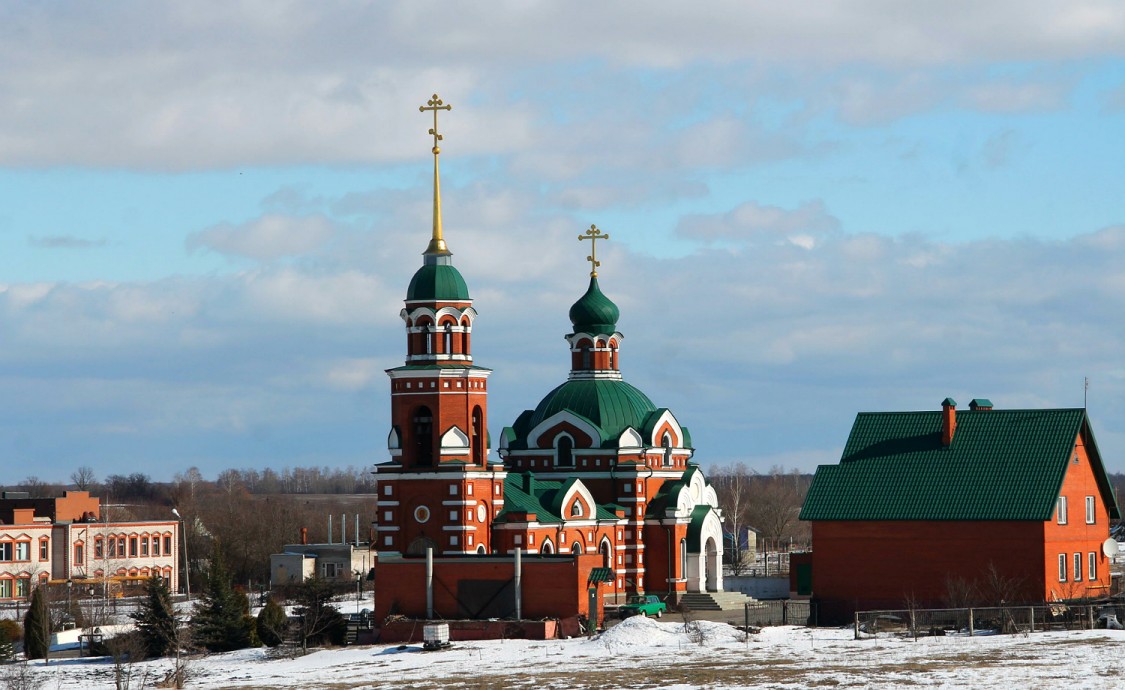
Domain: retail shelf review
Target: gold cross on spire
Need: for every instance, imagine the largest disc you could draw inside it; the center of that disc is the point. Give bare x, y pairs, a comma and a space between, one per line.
437, 244
593, 234
435, 104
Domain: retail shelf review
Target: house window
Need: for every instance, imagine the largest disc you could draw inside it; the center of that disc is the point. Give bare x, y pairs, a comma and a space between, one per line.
453, 540
1092, 566
666, 443
5, 551
576, 509
1077, 567
331, 569
23, 551
132, 547
79, 555
144, 545
168, 546
1090, 513
156, 546
1062, 567
452, 489
1060, 510
44, 549
387, 541
23, 587
387, 490
99, 551
5, 589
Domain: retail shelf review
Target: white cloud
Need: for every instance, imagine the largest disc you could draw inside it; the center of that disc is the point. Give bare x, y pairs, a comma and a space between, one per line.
268, 237
803, 226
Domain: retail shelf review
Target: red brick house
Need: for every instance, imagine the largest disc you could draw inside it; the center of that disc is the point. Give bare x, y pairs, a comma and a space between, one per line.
925, 502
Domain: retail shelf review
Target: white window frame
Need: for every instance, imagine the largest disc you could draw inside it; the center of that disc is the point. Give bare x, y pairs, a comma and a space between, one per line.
1092, 566
1062, 567
1077, 567
1060, 510
1091, 510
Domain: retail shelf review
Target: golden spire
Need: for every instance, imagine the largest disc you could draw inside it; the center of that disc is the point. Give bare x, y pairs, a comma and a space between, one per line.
593, 234
437, 243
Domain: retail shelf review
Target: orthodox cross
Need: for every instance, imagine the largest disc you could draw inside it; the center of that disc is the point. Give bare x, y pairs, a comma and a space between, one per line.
593, 234
435, 104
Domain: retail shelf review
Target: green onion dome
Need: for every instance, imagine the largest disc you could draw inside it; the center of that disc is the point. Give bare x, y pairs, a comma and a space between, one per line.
437, 282
594, 312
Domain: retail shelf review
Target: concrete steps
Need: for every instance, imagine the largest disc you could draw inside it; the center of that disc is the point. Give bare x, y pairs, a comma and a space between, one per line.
715, 601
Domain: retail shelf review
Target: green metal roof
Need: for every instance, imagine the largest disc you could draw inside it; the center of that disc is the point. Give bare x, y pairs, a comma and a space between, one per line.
1001, 465
438, 282
438, 365
608, 404
594, 312
525, 493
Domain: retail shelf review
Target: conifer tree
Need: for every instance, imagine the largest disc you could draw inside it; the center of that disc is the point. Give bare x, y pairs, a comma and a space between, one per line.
156, 618
272, 624
218, 623
6, 649
37, 627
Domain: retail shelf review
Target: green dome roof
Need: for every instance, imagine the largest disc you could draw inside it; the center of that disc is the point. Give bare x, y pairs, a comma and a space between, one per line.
594, 312
610, 404
440, 282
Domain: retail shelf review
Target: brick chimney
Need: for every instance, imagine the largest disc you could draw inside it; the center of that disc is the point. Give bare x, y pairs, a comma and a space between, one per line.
304, 535
980, 404
948, 420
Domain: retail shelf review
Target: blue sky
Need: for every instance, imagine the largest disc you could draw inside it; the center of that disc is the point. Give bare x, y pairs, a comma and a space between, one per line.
209, 214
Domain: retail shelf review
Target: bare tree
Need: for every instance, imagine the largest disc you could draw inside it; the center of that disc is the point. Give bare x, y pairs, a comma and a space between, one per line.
83, 478
732, 485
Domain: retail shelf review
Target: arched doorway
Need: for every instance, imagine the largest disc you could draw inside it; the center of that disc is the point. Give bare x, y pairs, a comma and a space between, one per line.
711, 565
419, 545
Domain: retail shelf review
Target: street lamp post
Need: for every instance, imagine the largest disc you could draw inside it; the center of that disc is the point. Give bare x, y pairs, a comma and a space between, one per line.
187, 563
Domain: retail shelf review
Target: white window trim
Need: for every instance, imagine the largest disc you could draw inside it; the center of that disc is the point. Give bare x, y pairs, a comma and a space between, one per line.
1060, 510
1077, 567
1092, 565
1091, 510
1062, 567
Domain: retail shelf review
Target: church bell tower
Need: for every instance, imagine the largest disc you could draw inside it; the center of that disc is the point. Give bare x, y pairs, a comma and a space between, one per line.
439, 490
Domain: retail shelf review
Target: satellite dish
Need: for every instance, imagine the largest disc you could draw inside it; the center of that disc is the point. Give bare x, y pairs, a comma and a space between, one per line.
1110, 547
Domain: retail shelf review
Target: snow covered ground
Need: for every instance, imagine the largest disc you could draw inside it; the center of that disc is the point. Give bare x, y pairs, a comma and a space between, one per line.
642, 653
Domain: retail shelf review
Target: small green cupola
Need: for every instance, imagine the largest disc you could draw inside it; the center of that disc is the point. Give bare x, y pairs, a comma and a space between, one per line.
594, 313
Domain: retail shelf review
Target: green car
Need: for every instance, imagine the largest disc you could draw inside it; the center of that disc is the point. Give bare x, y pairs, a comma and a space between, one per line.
646, 604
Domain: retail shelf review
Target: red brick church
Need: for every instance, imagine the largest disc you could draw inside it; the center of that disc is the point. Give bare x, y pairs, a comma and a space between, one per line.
594, 486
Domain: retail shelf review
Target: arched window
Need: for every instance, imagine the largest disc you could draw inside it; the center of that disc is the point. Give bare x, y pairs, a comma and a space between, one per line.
547, 548
586, 351
613, 355
424, 436
477, 440
564, 451
576, 548
448, 336
604, 551
683, 559
666, 443
576, 508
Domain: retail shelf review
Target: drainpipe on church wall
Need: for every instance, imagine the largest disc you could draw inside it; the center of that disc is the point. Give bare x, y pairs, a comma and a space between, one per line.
516, 582
429, 582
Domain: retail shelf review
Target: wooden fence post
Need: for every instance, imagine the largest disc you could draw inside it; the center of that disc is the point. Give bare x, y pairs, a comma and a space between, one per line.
1031, 617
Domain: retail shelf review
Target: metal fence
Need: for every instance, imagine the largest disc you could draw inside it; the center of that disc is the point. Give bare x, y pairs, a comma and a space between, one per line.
985, 619
782, 612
